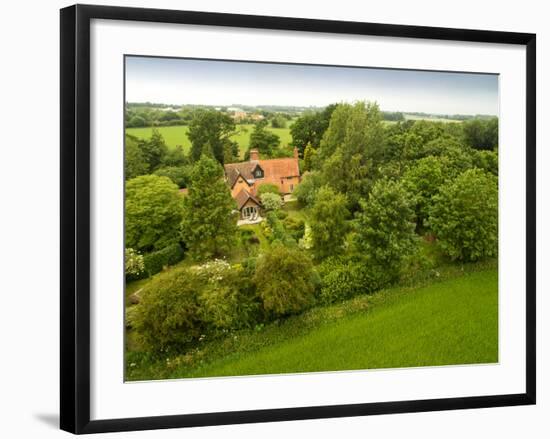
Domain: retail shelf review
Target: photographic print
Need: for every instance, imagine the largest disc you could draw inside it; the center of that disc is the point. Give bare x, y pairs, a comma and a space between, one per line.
294, 218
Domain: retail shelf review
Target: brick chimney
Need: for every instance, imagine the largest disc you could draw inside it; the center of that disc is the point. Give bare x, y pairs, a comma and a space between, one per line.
296, 153
254, 155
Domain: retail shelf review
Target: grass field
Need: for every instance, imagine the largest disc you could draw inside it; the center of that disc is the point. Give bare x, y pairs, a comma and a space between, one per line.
177, 135
454, 321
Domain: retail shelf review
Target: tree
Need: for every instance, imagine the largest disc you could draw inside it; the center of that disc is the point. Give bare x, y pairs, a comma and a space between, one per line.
180, 175
385, 226
352, 149
210, 132
310, 127
423, 181
285, 280
209, 226
263, 140
328, 222
175, 157
271, 201
134, 161
306, 191
481, 134
154, 211
352, 176
154, 150
278, 121
309, 157
136, 121
464, 216
486, 160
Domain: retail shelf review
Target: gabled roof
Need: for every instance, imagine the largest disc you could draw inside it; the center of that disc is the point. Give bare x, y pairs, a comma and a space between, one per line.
243, 196
234, 170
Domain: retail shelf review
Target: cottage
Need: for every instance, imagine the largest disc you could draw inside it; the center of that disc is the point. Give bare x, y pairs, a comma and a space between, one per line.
244, 178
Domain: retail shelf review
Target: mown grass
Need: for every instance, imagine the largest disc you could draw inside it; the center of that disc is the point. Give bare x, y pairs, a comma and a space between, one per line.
177, 135
450, 318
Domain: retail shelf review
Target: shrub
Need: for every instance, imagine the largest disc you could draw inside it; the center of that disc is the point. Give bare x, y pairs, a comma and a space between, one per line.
226, 297
277, 231
285, 280
464, 216
281, 214
267, 188
156, 261
295, 227
344, 277
167, 316
271, 201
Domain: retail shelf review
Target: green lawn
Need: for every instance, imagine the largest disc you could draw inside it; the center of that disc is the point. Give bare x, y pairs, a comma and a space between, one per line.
454, 321
177, 135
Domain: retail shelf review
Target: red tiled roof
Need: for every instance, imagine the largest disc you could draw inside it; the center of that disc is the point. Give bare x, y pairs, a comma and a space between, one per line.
274, 170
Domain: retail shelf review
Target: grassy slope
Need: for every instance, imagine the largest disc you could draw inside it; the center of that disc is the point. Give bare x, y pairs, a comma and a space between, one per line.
177, 135
448, 322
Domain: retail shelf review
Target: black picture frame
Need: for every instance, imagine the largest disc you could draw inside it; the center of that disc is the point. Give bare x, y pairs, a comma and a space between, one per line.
75, 217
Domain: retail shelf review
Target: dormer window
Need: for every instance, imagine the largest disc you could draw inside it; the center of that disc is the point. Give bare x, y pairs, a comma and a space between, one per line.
258, 172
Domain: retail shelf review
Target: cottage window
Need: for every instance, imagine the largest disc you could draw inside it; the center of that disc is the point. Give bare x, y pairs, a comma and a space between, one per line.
250, 213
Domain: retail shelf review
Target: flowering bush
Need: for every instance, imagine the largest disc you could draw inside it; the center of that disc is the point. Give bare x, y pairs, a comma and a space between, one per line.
133, 263
226, 296
272, 201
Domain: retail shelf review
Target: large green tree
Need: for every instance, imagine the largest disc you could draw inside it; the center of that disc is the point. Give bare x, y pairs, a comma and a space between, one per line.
351, 150
134, 160
263, 140
209, 133
154, 210
208, 227
175, 157
310, 127
385, 226
423, 181
181, 175
328, 222
464, 216
481, 134
154, 150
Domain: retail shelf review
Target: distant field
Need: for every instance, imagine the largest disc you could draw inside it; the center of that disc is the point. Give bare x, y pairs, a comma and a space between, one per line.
177, 135
431, 119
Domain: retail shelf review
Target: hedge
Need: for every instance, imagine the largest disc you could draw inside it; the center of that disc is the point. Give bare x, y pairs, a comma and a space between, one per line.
156, 261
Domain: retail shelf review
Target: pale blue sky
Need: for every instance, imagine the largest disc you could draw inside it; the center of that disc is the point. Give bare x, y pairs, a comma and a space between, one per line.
189, 81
